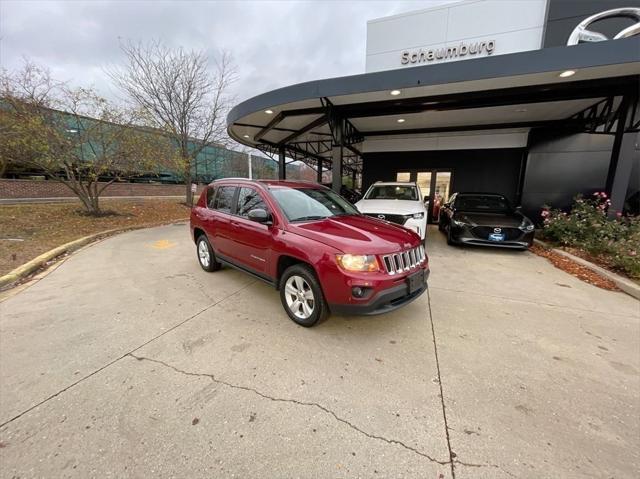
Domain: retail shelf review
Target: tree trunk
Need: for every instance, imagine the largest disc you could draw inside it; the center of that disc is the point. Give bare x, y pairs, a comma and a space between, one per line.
187, 179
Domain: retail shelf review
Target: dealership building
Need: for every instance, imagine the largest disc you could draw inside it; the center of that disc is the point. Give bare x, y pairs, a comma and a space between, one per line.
534, 99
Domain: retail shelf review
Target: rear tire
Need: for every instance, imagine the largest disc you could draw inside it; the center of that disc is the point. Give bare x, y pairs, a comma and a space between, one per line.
206, 256
301, 296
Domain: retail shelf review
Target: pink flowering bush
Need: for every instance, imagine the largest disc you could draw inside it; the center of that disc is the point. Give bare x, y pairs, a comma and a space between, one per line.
615, 242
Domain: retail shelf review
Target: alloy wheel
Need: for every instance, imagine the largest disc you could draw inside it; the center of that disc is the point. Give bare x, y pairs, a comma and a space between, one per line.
299, 296
203, 253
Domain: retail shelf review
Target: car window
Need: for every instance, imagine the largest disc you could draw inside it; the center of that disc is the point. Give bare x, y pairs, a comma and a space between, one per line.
302, 204
223, 199
393, 192
249, 199
211, 194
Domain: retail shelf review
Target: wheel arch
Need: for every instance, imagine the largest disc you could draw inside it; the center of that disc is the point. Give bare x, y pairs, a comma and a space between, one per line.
197, 232
285, 261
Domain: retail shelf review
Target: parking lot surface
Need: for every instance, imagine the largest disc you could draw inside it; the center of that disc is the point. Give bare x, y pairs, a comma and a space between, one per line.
128, 360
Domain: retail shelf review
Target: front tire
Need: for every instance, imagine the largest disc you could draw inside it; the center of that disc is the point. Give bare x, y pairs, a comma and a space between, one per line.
206, 256
450, 241
301, 296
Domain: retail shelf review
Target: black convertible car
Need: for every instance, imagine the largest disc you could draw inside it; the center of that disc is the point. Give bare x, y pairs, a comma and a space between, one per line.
485, 219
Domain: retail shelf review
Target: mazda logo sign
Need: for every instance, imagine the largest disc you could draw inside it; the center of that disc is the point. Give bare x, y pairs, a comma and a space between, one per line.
497, 230
381, 217
582, 34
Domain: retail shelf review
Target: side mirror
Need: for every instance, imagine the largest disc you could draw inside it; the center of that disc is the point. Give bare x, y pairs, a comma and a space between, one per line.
425, 200
259, 216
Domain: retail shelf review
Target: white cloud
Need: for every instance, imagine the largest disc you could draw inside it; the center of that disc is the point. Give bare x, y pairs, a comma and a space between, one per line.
274, 44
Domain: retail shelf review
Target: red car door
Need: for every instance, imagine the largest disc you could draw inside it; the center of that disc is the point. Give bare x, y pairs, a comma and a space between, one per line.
252, 241
219, 225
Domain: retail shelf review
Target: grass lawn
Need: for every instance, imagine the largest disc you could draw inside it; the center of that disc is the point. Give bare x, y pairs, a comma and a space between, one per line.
28, 230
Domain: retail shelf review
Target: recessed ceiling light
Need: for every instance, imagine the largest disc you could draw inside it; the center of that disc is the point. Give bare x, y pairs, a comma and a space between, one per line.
401, 120
521, 110
246, 136
269, 112
395, 92
567, 73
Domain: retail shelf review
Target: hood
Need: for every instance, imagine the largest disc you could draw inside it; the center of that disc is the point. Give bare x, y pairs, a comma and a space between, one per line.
398, 207
506, 220
357, 234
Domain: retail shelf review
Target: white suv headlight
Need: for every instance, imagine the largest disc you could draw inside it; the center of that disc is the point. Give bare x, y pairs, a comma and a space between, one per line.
418, 216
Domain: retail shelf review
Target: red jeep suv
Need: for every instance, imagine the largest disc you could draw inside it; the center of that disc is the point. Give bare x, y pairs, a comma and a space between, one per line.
311, 244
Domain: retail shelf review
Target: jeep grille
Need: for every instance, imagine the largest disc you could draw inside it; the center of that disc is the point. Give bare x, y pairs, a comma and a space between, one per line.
404, 261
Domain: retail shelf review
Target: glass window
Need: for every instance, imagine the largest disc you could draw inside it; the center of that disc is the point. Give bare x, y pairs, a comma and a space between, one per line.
441, 195
211, 194
224, 198
403, 176
301, 204
392, 192
423, 179
249, 199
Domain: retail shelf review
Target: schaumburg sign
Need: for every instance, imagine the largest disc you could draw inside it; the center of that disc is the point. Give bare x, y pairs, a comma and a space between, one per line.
443, 53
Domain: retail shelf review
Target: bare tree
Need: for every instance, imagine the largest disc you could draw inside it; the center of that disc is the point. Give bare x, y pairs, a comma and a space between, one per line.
75, 136
176, 88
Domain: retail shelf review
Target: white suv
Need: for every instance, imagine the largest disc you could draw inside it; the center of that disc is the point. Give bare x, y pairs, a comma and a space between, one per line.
397, 202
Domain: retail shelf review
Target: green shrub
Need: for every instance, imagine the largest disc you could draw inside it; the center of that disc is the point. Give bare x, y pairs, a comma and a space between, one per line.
615, 242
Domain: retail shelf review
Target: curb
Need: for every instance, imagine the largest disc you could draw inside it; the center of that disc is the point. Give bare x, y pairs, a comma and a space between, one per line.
37, 262
625, 285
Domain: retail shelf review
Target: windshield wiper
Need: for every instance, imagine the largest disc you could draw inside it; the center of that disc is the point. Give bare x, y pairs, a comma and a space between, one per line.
311, 217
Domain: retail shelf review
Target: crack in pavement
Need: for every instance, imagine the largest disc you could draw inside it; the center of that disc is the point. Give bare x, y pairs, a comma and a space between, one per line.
291, 401
111, 363
452, 455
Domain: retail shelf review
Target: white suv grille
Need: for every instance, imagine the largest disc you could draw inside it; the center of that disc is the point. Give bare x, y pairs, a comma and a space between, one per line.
404, 261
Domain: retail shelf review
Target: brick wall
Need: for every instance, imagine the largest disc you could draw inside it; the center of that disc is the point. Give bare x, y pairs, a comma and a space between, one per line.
10, 189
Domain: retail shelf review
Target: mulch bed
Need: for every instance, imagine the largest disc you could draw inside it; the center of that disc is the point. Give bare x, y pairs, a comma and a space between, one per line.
28, 230
575, 269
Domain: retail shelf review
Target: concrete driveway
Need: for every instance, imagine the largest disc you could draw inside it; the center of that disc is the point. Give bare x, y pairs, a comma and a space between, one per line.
128, 360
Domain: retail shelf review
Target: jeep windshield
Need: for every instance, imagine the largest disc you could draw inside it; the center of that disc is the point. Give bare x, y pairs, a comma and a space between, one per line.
393, 192
306, 204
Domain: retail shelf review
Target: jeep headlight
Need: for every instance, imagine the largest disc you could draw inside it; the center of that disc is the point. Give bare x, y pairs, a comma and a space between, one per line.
459, 223
358, 262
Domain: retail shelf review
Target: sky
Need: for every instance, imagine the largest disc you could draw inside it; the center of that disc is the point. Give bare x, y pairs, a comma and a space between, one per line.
273, 44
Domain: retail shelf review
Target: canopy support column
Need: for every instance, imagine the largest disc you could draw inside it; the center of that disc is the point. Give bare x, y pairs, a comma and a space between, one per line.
319, 177
282, 167
621, 161
336, 157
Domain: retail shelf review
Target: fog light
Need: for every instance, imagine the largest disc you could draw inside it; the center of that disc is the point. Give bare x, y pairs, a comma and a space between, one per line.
357, 292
